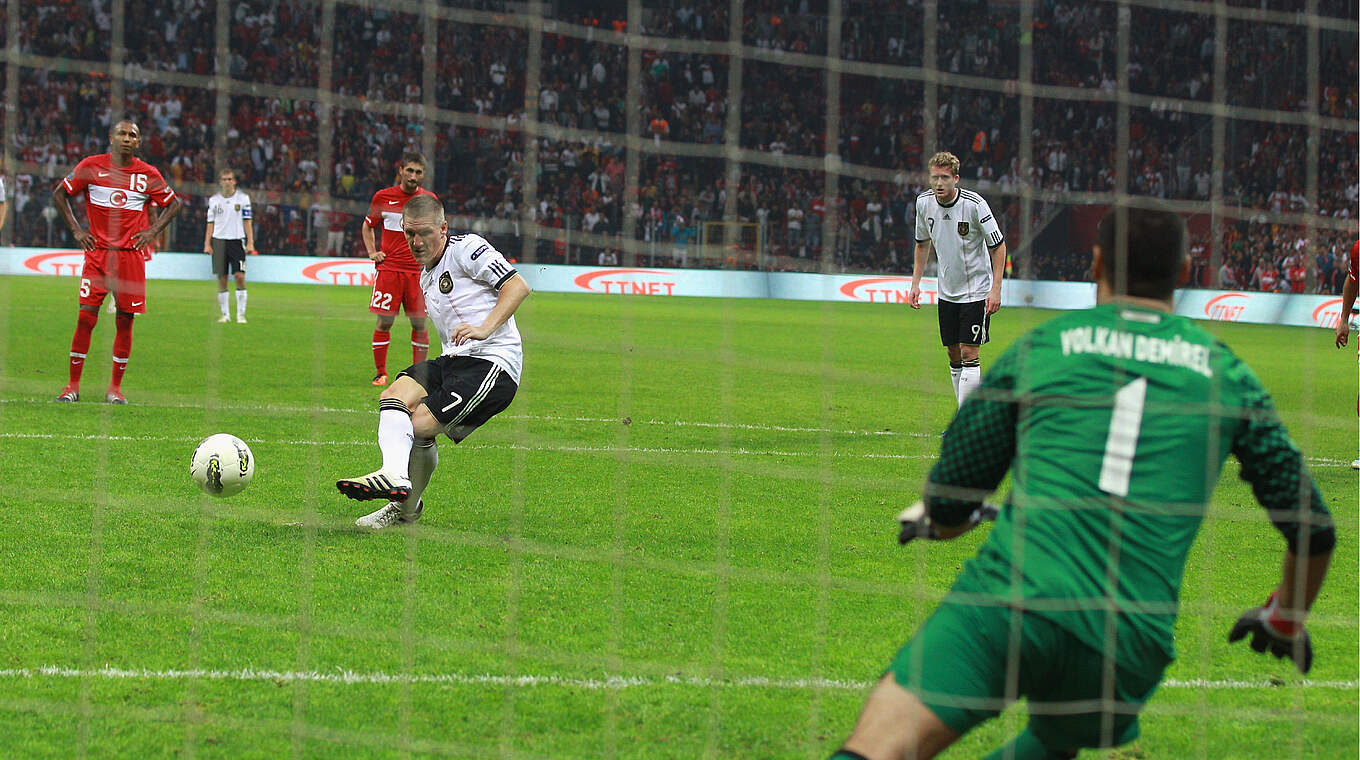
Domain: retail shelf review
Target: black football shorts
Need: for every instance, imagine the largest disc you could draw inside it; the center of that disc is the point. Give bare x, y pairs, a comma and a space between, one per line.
967, 323
463, 391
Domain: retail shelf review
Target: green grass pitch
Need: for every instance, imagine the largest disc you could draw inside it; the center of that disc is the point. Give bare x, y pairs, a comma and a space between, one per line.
677, 543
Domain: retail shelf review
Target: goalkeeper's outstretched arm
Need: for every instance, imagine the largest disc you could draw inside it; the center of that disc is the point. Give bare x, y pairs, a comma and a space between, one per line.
976, 451
1282, 484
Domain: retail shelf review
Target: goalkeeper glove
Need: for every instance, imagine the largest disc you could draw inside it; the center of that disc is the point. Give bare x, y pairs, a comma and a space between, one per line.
1270, 630
915, 522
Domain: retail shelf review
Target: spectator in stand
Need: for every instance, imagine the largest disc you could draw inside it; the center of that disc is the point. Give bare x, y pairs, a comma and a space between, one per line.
1227, 278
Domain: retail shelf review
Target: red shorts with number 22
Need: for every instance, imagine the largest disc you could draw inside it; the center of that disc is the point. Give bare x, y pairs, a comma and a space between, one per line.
394, 290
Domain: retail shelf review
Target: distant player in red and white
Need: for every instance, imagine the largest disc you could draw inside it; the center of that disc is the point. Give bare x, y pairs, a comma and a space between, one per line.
1343, 320
119, 190
397, 285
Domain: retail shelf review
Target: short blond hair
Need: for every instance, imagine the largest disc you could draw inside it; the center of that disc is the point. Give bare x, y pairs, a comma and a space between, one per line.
424, 207
946, 159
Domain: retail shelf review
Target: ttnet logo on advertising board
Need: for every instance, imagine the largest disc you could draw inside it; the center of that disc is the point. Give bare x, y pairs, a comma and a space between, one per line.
1328, 313
888, 290
59, 263
638, 282
342, 272
1227, 307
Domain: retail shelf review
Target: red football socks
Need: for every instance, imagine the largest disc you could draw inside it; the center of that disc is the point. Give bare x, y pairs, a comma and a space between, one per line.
122, 349
80, 343
381, 338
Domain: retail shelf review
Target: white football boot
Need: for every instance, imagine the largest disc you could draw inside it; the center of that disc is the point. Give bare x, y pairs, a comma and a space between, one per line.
388, 516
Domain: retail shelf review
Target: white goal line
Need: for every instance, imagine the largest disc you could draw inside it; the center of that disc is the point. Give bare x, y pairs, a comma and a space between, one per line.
603, 683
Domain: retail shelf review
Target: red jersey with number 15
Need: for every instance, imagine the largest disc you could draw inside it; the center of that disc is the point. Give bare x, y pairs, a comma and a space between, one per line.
117, 197
385, 212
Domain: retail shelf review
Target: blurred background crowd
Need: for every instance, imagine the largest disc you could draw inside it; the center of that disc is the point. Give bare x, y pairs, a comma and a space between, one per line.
684, 202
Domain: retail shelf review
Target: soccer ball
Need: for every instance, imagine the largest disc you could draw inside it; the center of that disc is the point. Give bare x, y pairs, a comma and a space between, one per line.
222, 465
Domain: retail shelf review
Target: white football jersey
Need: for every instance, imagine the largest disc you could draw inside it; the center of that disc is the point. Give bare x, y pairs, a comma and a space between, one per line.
463, 287
229, 215
964, 234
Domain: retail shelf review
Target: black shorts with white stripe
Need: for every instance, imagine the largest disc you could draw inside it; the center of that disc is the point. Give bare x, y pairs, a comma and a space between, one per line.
966, 323
463, 391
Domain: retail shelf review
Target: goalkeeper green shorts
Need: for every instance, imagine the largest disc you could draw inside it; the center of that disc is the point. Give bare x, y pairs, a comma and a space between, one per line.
960, 662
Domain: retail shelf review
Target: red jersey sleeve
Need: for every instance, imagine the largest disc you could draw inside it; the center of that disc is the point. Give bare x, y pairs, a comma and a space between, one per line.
158, 190
374, 218
1353, 271
79, 178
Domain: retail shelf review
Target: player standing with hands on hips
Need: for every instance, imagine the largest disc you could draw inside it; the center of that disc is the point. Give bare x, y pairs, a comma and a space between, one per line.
1114, 423
119, 191
229, 237
397, 285
472, 293
972, 257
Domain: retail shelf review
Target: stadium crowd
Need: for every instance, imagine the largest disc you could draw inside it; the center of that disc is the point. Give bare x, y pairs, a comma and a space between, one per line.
273, 142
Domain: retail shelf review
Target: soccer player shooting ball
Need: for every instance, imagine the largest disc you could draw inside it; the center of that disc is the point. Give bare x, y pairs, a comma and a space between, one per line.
471, 291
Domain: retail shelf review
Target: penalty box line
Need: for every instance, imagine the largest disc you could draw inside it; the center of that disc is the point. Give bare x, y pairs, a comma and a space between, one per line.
284, 409
602, 683
566, 449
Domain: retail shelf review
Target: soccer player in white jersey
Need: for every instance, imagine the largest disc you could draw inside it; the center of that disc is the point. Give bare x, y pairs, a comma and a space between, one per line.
230, 235
972, 256
471, 292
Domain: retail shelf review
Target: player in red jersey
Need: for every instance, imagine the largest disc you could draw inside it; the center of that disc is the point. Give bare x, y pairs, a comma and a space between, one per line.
119, 188
1343, 320
398, 282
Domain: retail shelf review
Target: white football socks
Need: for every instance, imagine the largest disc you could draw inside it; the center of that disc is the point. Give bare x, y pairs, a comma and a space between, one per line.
954, 378
395, 439
222, 302
240, 302
969, 378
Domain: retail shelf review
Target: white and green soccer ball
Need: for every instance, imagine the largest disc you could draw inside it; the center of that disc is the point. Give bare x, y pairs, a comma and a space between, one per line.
222, 465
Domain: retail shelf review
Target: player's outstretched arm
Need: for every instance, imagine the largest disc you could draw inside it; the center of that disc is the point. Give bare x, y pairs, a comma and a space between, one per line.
977, 449
1281, 483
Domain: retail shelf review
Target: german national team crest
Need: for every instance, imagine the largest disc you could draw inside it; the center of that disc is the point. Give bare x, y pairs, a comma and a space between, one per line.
238, 207
963, 229
445, 283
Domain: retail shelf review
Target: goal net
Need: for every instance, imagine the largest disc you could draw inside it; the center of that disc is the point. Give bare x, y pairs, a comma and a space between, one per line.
741, 135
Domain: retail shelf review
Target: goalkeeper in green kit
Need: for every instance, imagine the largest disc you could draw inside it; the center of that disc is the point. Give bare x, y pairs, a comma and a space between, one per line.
1114, 423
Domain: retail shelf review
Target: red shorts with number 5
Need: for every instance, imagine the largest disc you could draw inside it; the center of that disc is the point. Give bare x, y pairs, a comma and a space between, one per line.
394, 290
120, 272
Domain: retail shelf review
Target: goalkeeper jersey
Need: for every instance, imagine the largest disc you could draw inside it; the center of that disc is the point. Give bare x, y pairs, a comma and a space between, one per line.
1114, 423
